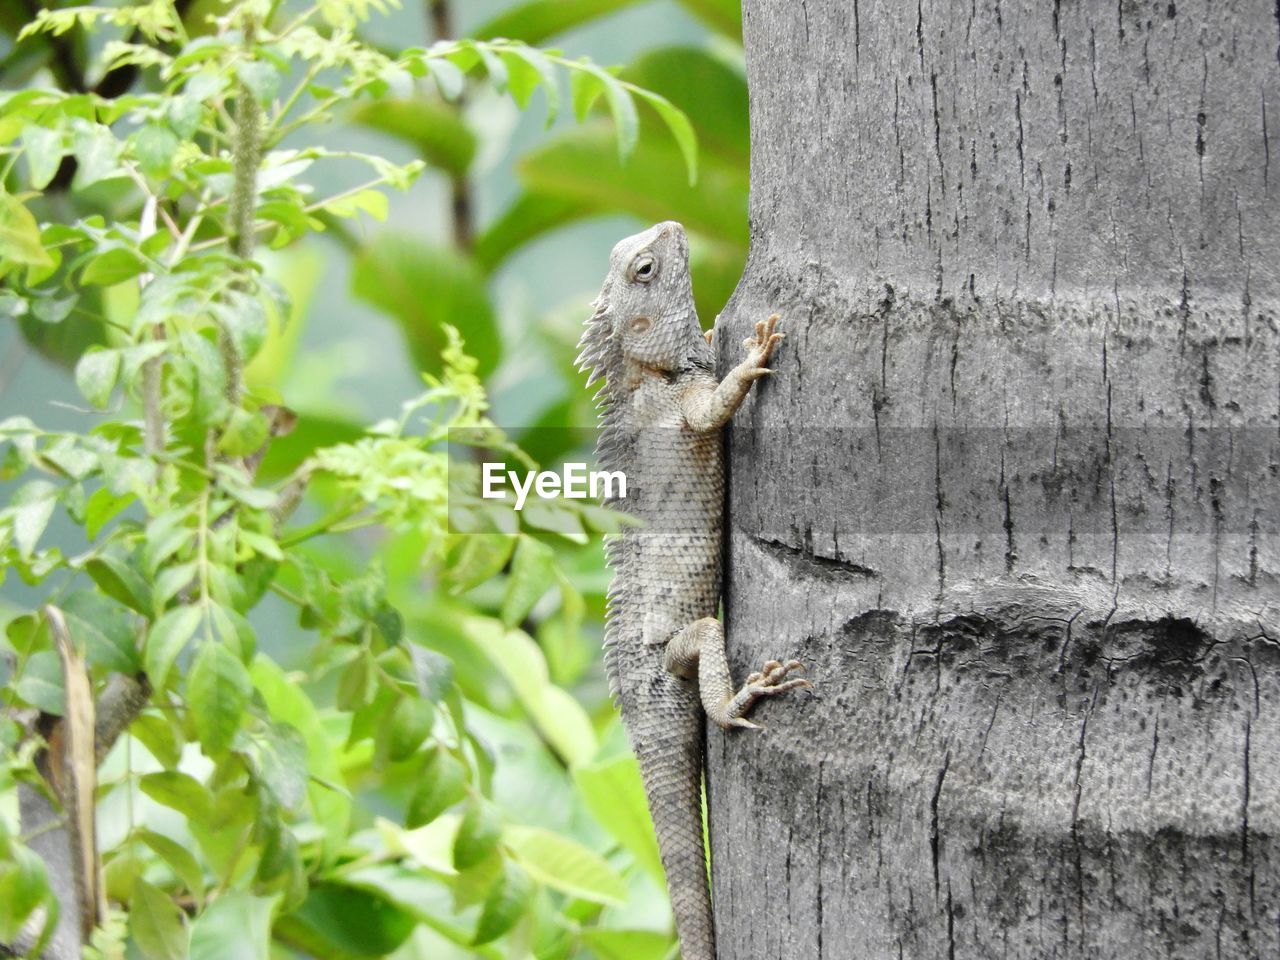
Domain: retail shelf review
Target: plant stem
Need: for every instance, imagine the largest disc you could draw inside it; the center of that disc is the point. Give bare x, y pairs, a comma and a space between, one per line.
152, 416
460, 200
246, 155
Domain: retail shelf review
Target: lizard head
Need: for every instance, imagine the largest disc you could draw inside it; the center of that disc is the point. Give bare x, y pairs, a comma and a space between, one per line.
645, 315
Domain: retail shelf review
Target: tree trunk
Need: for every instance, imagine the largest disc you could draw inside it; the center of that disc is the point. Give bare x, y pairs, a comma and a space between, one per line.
1014, 491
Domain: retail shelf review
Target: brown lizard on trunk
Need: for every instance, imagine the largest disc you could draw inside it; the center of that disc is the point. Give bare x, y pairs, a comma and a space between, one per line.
662, 414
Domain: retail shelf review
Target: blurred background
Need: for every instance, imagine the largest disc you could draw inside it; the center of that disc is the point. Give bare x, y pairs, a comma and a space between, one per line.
505, 236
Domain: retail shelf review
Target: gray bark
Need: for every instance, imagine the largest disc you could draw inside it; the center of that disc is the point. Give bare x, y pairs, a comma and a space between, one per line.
1013, 492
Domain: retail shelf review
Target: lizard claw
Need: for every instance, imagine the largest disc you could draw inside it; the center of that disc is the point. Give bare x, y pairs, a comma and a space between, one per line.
760, 347
769, 681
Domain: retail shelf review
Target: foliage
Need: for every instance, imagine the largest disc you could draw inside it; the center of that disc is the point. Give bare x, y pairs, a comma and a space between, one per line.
438, 772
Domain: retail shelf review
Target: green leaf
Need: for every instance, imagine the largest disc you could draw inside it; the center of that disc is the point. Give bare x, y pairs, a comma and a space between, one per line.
564, 865
559, 717
172, 580
585, 87
244, 434
40, 683
104, 630
494, 67
184, 114
42, 148
450, 81
623, 109
410, 724
711, 92
217, 693
31, 509
680, 127
261, 78
358, 684
279, 863
97, 154
530, 215
235, 925
581, 165
162, 739
566, 725
430, 846
478, 834
613, 793
505, 905
27, 634
561, 639
533, 570
179, 791
348, 922
626, 944
157, 925
23, 887
19, 234
477, 558
281, 763
116, 265
183, 863
432, 672
723, 15
262, 545
154, 146
244, 318
168, 635
424, 288
209, 375
443, 783
434, 129
372, 202
117, 578
96, 375
52, 309
289, 704
101, 508
535, 21
528, 69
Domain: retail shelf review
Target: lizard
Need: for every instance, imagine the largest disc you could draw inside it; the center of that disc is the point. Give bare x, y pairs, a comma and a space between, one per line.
661, 418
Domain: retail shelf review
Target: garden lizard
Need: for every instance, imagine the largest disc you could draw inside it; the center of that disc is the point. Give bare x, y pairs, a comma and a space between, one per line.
661, 417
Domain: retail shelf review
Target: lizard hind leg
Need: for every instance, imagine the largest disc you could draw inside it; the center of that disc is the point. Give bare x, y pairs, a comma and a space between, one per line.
699, 650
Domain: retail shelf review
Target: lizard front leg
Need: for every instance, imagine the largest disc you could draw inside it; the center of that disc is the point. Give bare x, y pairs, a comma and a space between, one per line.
707, 407
699, 650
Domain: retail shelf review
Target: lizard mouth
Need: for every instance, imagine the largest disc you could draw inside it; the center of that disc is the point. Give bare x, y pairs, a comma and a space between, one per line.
675, 231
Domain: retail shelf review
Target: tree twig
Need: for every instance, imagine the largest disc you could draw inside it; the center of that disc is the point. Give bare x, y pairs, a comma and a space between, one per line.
460, 202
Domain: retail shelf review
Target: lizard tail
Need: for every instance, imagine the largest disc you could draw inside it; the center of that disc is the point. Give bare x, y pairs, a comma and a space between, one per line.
670, 754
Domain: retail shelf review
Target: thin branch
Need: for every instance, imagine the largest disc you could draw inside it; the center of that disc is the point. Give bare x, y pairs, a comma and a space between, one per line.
122, 701
461, 207
246, 155
152, 415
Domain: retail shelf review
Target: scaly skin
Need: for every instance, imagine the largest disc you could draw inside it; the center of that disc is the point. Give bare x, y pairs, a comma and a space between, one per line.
662, 414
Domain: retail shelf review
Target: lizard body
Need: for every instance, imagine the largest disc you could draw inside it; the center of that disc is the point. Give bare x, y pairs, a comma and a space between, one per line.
662, 414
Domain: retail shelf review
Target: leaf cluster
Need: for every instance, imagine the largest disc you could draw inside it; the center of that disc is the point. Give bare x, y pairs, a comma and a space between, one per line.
365, 729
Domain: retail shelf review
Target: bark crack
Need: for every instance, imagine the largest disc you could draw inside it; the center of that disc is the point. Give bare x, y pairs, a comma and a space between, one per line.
934, 840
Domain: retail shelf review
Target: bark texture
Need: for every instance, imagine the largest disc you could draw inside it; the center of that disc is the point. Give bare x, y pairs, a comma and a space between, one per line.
1014, 492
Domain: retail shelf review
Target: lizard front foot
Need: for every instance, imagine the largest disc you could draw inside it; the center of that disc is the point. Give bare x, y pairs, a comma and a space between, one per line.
760, 348
770, 681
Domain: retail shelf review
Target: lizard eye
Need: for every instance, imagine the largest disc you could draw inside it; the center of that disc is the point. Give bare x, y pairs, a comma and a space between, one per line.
644, 268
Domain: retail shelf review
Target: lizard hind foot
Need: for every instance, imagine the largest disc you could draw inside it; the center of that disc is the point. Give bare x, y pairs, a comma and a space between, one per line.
769, 681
